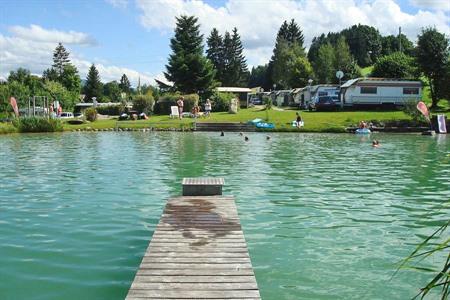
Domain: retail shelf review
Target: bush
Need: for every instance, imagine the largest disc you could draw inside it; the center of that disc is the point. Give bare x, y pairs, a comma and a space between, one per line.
411, 110
221, 101
38, 124
165, 101
111, 110
90, 114
143, 103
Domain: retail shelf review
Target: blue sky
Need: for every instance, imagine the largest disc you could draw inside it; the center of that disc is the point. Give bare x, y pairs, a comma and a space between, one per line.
132, 36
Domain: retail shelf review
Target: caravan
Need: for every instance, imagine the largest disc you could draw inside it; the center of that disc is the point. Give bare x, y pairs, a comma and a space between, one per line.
380, 92
307, 97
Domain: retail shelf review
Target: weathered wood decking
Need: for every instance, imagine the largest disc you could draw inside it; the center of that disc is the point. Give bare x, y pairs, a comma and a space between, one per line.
198, 251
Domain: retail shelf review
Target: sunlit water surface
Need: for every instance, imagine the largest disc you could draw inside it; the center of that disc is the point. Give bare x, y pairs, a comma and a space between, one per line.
325, 216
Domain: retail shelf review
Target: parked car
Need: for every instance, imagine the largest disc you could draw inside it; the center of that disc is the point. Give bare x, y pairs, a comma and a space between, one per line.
325, 103
66, 115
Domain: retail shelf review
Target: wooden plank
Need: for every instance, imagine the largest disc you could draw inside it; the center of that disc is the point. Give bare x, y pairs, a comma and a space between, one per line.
194, 286
197, 251
194, 266
195, 272
186, 294
193, 278
195, 254
219, 260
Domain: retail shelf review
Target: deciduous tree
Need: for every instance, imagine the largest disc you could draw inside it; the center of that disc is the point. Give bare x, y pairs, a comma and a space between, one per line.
432, 58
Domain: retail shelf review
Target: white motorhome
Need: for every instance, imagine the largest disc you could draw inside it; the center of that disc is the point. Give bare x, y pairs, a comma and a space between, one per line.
379, 91
305, 97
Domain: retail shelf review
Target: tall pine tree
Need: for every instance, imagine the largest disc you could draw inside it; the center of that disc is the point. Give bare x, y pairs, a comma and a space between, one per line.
124, 84
187, 68
60, 59
63, 71
214, 52
294, 34
288, 48
93, 86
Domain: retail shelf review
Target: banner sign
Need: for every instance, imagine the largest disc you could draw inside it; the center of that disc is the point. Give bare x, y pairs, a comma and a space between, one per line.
424, 110
13, 103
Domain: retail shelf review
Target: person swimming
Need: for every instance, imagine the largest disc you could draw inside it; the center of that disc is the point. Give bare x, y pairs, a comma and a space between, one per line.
376, 143
246, 138
222, 133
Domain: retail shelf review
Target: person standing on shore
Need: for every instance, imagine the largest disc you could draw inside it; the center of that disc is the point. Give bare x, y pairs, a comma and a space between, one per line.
207, 107
180, 104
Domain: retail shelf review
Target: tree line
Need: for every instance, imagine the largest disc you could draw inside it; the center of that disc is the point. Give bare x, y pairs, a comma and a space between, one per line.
195, 70
62, 82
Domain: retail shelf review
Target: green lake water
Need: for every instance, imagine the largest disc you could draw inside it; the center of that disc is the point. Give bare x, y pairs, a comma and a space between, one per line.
325, 216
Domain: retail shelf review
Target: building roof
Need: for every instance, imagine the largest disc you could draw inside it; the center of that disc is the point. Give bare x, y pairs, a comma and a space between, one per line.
233, 89
381, 81
164, 83
350, 82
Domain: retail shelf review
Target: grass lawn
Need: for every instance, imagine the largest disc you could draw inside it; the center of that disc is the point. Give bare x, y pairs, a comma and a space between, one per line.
314, 121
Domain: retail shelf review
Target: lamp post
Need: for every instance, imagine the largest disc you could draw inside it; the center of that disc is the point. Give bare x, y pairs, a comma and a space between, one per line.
309, 89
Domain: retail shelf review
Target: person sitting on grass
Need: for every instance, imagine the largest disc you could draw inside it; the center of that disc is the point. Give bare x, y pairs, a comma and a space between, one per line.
298, 121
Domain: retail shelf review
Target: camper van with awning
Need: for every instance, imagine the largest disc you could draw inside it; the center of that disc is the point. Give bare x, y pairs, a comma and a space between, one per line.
379, 92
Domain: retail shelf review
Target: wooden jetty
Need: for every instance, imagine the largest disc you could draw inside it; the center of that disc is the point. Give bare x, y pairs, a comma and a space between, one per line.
198, 251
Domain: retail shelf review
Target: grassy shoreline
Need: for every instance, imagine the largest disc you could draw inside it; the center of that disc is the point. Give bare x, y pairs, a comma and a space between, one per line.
314, 121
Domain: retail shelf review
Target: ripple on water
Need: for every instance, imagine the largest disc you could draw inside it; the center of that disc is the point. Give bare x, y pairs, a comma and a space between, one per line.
325, 216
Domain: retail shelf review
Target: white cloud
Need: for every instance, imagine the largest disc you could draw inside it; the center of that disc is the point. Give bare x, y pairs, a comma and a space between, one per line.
39, 34
258, 21
35, 53
433, 4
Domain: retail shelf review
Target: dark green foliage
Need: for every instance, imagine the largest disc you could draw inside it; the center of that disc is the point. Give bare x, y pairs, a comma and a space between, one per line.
63, 71
390, 44
162, 106
228, 59
443, 84
21, 75
221, 101
343, 60
37, 124
235, 71
112, 91
125, 85
19, 91
288, 49
364, 42
90, 114
294, 34
70, 78
214, 52
93, 86
4, 98
410, 108
395, 65
56, 91
60, 59
143, 103
50, 75
111, 110
187, 68
432, 58
324, 66
260, 76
